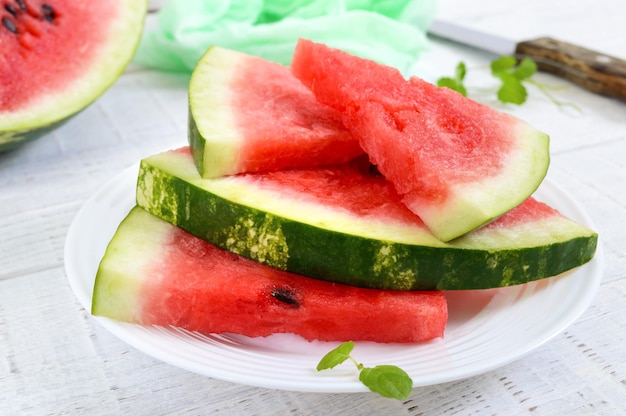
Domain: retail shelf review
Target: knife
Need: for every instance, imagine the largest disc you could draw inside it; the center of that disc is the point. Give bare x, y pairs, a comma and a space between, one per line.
594, 71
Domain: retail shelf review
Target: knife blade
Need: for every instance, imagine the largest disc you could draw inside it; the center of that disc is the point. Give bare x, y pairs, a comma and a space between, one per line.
594, 71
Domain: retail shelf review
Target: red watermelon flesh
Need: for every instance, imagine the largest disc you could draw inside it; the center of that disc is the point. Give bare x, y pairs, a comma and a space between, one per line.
284, 123
251, 115
154, 273
458, 164
67, 33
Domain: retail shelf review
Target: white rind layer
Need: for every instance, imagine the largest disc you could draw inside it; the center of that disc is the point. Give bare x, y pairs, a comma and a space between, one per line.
211, 112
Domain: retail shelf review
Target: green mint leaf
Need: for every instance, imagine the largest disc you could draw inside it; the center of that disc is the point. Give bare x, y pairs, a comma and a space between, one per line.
512, 90
453, 84
526, 69
336, 356
388, 381
502, 64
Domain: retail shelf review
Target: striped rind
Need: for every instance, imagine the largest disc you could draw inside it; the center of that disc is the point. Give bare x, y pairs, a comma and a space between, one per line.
286, 233
12, 139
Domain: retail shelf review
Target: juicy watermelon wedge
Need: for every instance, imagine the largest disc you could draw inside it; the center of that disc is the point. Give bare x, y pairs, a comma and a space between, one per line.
59, 56
247, 114
156, 274
346, 225
458, 164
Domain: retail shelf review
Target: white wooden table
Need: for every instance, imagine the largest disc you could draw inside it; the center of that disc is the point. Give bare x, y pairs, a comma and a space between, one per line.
55, 359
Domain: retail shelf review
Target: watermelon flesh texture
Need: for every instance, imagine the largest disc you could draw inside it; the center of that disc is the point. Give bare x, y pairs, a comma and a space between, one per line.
58, 56
346, 225
247, 114
156, 274
458, 164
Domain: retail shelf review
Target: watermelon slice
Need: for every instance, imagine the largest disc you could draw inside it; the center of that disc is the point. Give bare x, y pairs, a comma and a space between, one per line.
57, 57
156, 274
247, 114
346, 225
458, 164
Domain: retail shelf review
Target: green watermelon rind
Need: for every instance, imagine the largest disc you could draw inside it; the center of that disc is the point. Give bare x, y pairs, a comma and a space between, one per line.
11, 139
53, 110
318, 242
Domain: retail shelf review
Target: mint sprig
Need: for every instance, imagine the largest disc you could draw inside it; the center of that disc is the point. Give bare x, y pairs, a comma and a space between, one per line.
513, 76
387, 380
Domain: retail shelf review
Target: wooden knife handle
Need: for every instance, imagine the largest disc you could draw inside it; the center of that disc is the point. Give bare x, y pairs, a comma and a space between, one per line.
594, 71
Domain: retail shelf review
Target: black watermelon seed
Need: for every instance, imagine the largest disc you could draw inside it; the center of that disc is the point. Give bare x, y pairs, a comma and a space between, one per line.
285, 295
21, 4
48, 12
10, 25
10, 9
373, 170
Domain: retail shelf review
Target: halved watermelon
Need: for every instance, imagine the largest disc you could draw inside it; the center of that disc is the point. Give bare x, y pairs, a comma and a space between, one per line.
156, 274
247, 114
458, 164
346, 225
58, 56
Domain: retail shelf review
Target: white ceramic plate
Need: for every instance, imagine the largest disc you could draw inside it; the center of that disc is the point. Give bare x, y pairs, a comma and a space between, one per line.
486, 329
